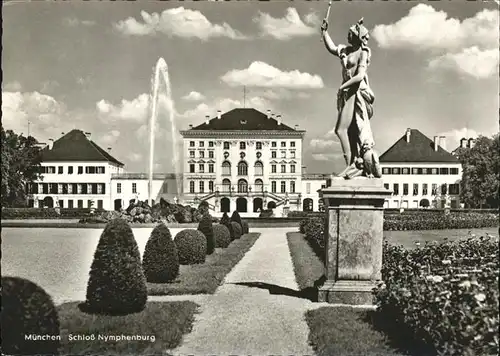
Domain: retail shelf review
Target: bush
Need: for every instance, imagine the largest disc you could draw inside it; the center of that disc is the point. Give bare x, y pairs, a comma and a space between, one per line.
205, 226
444, 297
236, 217
117, 284
27, 310
266, 213
203, 207
236, 229
222, 236
191, 246
438, 220
227, 222
305, 214
244, 227
160, 261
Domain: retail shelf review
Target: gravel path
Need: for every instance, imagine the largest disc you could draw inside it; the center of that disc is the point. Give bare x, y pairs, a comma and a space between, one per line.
257, 311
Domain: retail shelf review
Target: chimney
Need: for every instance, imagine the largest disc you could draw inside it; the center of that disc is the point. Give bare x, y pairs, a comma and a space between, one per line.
436, 143
207, 119
51, 143
109, 149
296, 127
408, 134
463, 142
190, 126
219, 114
88, 135
268, 113
62, 133
279, 119
471, 143
442, 142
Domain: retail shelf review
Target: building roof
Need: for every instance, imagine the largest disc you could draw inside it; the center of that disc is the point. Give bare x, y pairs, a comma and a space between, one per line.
243, 119
75, 146
419, 149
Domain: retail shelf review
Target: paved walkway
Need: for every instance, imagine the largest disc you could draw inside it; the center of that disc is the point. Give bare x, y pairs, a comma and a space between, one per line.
256, 311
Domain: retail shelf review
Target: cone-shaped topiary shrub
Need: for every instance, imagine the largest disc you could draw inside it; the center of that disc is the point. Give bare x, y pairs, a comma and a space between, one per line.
191, 247
244, 227
27, 310
117, 284
222, 236
236, 218
205, 227
160, 261
237, 229
227, 222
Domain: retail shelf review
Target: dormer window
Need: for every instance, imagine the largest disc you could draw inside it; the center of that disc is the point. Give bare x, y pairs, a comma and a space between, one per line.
243, 122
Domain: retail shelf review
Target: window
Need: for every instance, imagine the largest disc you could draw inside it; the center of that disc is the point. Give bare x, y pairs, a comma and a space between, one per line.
273, 186
259, 185
191, 154
99, 188
444, 189
292, 144
80, 169
191, 187
292, 187
425, 171
191, 143
210, 154
134, 188
226, 145
395, 171
283, 154
292, 168
443, 171
242, 169
70, 188
396, 188
226, 168
210, 168
70, 204
210, 143
191, 168
415, 170
90, 170
60, 170
283, 144
101, 170
273, 168
259, 169
434, 171
283, 186
70, 170
201, 167
202, 186
258, 145
202, 144
405, 188
415, 188
453, 170
292, 154
386, 185
59, 188
243, 145
273, 154
99, 204
385, 171
226, 185
211, 186
406, 171
434, 189
308, 188
242, 186
454, 189
283, 168
273, 144
80, 203
79, 188
202, 154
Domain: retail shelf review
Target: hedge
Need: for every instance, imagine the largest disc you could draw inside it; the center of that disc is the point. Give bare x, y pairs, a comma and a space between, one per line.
443, 297
45, 213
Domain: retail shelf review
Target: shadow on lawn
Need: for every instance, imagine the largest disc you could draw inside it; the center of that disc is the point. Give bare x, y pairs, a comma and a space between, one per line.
310, 293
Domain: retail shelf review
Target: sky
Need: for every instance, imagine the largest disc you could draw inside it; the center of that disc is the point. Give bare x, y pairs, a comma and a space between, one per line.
89, 66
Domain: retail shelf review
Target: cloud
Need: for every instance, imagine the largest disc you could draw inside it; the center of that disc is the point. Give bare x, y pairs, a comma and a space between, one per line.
287, 27
283, 94
326, 156
471, 61
454, 136
260, 74
130, 110
194, 96
12, 86
111, 137
319, 144
180, 22
74, 22
136, 157
426, 28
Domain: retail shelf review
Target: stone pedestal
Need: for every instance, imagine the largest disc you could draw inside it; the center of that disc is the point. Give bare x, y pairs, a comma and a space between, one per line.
353, 236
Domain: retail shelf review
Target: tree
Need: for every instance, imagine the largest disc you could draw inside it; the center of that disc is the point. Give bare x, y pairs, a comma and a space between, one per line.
21, 160
479, 185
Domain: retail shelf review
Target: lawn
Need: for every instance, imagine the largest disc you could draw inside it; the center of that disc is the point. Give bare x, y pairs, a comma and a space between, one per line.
332, 330
161, 324
205, 278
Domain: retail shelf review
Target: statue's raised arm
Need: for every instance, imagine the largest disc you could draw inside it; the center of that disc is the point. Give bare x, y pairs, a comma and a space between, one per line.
327, 40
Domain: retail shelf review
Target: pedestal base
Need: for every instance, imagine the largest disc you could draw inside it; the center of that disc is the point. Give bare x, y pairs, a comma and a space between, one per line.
347, 292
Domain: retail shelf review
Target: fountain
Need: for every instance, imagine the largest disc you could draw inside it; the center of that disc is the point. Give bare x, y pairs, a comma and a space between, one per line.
162, 68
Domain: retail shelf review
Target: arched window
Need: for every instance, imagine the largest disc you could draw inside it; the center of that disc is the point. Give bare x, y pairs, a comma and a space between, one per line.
259, 168
242, 169
242, 186
259, 185
226, 168
226, 185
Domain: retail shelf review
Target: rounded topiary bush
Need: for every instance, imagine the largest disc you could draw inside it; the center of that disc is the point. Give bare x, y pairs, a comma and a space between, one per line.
27, 310
244, 227
205, 227
160, 261
227, 222
117, 284
236, 218
191, 246
237, 229
222, 236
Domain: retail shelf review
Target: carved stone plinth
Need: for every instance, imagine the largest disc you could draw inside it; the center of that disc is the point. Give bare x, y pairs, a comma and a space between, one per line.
353, 236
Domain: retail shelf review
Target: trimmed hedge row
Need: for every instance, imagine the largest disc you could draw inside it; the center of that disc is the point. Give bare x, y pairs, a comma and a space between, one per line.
428, 221
45, 213
443, 297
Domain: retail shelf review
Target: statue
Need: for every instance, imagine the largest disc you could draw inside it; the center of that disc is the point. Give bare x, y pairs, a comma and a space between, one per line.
354, 102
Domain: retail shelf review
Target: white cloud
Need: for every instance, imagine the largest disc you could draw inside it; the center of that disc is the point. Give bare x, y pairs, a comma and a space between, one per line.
194, 96
178, 22
260, 74
323, 144
471, 61
326, 156
74, 22
454, 136
111, 137
283, 94
131, 110
426, 28
12, 86
289, 26
136, 157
